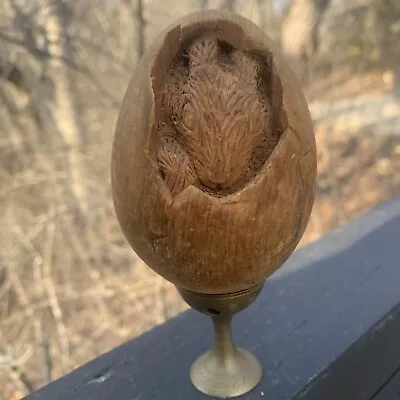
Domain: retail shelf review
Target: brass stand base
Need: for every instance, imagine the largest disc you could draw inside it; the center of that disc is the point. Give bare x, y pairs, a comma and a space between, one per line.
225, 370
241, 375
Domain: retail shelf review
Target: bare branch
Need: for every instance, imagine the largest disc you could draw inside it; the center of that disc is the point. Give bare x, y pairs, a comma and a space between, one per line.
51, 292
17, 372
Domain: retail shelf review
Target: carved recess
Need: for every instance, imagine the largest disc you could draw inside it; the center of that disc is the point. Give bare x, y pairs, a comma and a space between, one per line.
220, 117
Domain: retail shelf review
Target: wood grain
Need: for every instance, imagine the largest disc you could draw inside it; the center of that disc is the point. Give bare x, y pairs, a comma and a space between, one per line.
214, 158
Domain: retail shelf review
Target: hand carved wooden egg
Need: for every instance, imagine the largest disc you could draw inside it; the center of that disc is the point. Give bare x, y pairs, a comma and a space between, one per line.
214, 159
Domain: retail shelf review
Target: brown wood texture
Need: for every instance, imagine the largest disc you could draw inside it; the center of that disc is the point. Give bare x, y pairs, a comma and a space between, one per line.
214, 157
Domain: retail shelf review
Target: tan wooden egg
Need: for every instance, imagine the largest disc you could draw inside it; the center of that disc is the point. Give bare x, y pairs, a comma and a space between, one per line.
214, 157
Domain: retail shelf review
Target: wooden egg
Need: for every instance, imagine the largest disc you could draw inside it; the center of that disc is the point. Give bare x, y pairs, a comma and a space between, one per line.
214, 157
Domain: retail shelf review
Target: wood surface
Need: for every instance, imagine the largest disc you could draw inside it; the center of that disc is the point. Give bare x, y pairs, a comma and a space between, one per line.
214, 158
312, 310
368, 370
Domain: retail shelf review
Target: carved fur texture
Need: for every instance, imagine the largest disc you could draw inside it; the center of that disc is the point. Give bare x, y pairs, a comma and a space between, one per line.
217, 105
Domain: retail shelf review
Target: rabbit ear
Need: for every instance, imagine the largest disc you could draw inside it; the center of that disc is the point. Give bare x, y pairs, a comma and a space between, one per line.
203, 50
248, 67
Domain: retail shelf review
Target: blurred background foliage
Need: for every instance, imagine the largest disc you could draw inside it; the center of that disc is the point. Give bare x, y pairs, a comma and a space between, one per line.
70, 287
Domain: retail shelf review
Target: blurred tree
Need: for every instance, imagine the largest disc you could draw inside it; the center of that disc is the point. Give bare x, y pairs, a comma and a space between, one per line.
299, 37
62, 110
228, 5
361, 33
383, 27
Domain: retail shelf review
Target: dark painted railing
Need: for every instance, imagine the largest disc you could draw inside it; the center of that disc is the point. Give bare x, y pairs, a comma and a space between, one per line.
326, 326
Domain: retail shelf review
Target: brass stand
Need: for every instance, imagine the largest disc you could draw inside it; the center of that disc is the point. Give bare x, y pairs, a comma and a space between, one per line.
225, 370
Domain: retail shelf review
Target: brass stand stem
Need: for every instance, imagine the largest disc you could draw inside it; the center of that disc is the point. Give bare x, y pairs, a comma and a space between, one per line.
225, 370
224, 348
